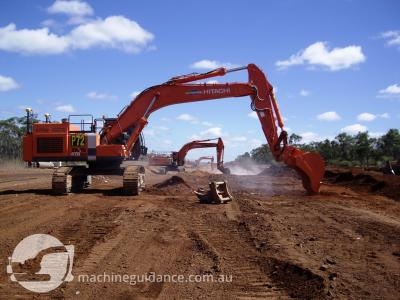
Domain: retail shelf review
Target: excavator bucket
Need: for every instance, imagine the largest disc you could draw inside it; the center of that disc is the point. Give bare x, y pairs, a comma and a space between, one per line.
311, 168
218, 193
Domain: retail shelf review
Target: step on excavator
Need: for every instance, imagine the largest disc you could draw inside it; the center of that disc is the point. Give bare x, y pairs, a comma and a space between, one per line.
87, 148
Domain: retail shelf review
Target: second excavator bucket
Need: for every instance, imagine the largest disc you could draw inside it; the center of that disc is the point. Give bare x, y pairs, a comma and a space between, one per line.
311, 168
218, 193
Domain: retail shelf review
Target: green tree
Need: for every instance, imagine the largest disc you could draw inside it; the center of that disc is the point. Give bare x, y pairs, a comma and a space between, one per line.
390, 143
243, 157
294, 139
261, 154
11, 132
346, 146
362, 148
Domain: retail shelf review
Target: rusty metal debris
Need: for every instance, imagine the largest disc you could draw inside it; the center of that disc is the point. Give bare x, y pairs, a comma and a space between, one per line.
218, 193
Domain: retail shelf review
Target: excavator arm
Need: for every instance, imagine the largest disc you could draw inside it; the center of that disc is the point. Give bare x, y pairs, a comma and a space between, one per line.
181, 89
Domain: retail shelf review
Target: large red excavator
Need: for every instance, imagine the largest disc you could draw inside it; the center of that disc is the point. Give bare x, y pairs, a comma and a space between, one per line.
102, 149
178, 158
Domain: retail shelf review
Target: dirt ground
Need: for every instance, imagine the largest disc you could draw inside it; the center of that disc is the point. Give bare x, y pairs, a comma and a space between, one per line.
272, 242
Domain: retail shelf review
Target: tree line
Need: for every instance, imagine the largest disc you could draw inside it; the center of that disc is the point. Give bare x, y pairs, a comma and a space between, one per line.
344, 150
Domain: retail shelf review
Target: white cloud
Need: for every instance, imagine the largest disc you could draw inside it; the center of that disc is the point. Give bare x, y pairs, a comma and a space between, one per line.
304, 93
253, 115
205, 123
376, 134
354, 129
115, 32
31, 41
70, 8
65, 108
288, 129
366, 117
329, 116
238, 138
211, 64
162, 128
134, 94
186, 117
100, 96
7, 84
384, 116
307, 137
319, 54
391, 91
392, 37
256, 143
149, 132
212, 131
49, 23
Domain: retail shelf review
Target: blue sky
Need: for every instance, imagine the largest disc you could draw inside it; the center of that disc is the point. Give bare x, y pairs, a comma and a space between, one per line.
335, 65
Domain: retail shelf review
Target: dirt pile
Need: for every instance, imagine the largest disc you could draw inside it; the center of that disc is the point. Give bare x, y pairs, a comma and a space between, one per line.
278, 170
174, 185
370, 182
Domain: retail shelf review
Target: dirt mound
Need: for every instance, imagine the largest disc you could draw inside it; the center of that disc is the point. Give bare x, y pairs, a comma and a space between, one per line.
278, 170
199, 173
174, 180
174, 185
372, 182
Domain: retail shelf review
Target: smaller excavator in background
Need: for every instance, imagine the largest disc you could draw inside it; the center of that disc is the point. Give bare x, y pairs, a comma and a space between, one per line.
176, 161
210, 158
178, 158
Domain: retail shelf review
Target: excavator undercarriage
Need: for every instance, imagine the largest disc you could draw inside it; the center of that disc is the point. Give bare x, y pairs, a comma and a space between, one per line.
72, 179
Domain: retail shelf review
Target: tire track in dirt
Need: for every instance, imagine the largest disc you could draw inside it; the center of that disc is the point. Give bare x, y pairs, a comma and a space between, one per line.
221, 243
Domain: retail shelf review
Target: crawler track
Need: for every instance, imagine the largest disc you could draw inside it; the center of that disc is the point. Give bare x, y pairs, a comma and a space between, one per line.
133, 180
62, 181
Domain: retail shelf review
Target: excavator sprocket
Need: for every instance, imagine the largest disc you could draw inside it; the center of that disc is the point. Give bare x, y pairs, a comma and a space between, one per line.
133, 180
